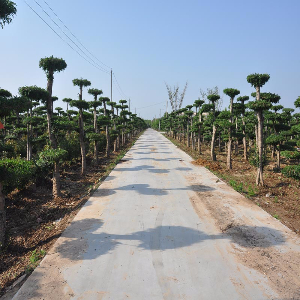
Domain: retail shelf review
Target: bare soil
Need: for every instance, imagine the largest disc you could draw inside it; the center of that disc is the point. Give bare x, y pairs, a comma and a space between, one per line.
35, 220
280, 196
256, 247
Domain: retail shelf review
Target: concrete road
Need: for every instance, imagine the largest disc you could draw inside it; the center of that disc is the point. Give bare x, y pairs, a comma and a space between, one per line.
145, 234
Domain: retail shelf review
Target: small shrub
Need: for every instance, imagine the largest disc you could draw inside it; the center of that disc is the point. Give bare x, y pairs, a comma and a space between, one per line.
237, 186
292, 171
251, 192
254, 159
34, 259
16, 173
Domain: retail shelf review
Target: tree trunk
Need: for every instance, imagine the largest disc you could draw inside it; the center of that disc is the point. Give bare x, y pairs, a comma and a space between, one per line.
236, 149
199, 140
212, 149
95, 153
56, 181
278, 157
259, 177
2, 217
107, 141
229, 161
187, 136
82, 144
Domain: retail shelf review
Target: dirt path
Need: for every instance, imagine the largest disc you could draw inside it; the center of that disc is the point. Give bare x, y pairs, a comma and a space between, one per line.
160, 227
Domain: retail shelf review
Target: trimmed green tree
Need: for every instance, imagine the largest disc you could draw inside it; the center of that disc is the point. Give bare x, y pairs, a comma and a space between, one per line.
81, 105
50, 65
257, 81
231, 93
7, 11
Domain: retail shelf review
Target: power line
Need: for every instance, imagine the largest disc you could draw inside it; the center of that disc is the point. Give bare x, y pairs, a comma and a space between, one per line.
59, 35
102, 69
76, 37
119, 86
151, 105
92, 62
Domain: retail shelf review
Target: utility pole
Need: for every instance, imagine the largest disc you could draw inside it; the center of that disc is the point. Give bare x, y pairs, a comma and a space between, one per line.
135, 110
129, 104
167, 108
111, 85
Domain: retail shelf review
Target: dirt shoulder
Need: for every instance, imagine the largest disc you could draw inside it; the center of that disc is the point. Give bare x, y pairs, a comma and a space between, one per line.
259, 241
35, 220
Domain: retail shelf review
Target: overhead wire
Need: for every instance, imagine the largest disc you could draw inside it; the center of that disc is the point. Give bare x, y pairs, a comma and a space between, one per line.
83, 52
90, 61
76, 37
152, 105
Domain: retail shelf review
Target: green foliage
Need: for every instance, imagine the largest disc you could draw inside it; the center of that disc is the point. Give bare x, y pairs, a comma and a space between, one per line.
71, 144
51, 65
52, 155
239, 187
34, 93
5, 93
254, 159
81, 82
95, 92
259, 105
258, 80
7, 11
251, 191
16, 173
213, 98
291, 154
231, 92
80, 104
297, 102
292, 171
34, 259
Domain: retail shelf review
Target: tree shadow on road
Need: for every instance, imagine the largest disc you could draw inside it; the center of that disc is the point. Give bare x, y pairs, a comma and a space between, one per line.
85, 240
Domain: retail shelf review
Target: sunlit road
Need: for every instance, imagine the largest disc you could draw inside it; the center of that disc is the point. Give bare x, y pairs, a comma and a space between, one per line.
139, 237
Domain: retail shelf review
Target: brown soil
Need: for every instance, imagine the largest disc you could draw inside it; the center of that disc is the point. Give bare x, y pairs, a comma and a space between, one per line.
280, 196
35, 220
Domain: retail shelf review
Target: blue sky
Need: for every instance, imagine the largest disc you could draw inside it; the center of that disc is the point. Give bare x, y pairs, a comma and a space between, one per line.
147, 43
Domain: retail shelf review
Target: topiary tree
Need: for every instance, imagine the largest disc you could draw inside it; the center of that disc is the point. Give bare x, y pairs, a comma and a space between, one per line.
242, 99
94, 105
231, 93
198, 104
33, 93
213, 99
257, 81
7, 11
50, 65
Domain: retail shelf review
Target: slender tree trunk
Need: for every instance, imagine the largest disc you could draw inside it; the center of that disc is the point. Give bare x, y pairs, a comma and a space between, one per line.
107, 141
95, 142
56, 181
278, 157
199, 132
187, 136
213, 139
2, 217
56, 177
82, 144
229, 161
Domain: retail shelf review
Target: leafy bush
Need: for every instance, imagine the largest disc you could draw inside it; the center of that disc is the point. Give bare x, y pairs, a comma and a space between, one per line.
254, 159
16, 173
239, 187
71, 144
292, 171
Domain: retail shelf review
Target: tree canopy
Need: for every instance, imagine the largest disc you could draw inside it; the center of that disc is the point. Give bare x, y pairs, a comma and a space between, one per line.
7, 11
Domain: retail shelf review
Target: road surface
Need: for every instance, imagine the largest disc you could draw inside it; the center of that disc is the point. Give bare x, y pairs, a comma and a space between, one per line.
160, 227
